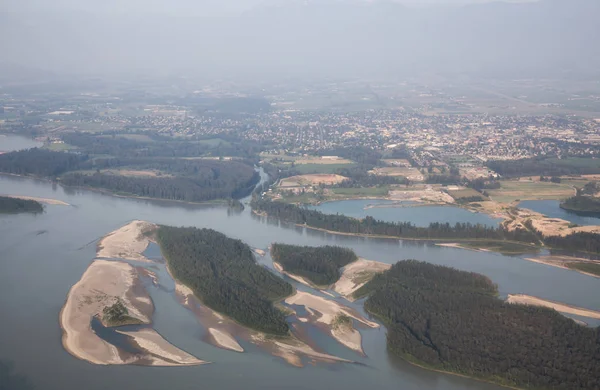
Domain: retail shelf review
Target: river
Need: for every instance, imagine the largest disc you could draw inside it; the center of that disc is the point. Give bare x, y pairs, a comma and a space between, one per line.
42, 256
11, 142
551, 208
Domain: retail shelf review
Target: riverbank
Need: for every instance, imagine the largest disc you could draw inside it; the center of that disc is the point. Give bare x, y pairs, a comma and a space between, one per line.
560, 307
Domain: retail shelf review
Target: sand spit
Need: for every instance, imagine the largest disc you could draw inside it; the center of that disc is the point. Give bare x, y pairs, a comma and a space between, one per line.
41, 200
102, 284
161, 352
225, 340
560, 307
357, 274
297, 278
326, 311
563, 262
259, 252
128, 242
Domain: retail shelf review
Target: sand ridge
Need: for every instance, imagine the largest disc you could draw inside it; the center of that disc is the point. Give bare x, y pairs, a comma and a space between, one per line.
127, 242
40, 200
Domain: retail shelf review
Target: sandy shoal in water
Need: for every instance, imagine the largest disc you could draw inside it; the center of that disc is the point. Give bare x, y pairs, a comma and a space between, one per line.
560, 307
357, 274
127, 242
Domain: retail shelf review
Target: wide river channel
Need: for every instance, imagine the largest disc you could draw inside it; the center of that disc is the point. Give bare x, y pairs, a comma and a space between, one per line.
42, 256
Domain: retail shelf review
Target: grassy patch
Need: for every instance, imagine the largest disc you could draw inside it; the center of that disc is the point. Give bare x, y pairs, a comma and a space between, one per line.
586, 267
320, 168
512, 190
368, 191
214, 142
505, 247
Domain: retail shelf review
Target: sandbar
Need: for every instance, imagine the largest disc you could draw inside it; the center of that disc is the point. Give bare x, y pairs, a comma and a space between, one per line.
329, 310
297, 278
560, 307
41, 200
225, 340
357, 274
127, 242
102, 284
563, 262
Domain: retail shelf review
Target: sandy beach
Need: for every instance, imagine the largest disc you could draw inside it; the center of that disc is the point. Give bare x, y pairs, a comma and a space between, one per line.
297, 278
560, 307
41, 200
357, 274
127, 242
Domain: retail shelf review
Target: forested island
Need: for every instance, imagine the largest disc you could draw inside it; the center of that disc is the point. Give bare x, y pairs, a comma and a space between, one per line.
223, 274
451, 320
195, 180
9, 205
582, 205
320, 265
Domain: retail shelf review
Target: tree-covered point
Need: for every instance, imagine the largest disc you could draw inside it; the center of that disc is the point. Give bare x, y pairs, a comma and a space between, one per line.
582, 205
191, 181
320, 265
10, 205
223, 274
40, 162
451, 320
371, 226
541, 166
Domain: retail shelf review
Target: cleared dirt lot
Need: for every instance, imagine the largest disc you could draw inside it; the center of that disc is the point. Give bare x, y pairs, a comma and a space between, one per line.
315, 179
412, 174
513, 190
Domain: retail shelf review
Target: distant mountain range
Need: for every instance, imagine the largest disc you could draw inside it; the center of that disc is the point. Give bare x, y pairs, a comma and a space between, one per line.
309, 37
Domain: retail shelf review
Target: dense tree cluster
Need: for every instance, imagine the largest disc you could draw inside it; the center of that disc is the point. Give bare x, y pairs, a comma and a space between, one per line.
14, 206
371, 226
320, 265
223, 274
40, 162
194, 181
576, 242
451, 320
119, 145
582, 205
545, 167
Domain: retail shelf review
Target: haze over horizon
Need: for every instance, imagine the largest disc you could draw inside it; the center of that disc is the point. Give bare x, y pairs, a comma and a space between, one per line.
273, 39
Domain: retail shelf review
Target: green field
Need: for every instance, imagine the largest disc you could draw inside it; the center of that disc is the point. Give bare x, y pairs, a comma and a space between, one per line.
513, 190
369, 191
320, 168
55, 147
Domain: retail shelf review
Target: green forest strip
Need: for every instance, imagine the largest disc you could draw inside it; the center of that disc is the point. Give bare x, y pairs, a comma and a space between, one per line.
372, 227
460, 232
451, 320
10, 205
223, 274
320, 265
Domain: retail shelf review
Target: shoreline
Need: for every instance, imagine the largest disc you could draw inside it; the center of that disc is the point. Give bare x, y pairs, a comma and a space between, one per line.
561, 261
521, 299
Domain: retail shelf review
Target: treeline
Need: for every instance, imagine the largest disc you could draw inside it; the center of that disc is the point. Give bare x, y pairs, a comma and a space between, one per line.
224, 276
40, 162
540, 166
583, 205
320, 265
371, 226
118, 145
451, 320
576, 242
14, 206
